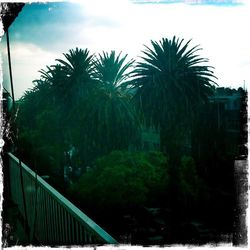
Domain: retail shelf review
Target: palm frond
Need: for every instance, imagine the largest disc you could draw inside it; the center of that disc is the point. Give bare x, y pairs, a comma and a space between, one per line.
171, 77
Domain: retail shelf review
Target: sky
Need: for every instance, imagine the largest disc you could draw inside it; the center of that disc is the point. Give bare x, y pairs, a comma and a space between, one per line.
42, 32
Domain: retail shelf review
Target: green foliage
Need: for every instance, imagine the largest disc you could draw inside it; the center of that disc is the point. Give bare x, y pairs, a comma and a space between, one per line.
77, 70
83, 100
171, 80
112, 70
44, 158
108, 114
80, 101
123, 180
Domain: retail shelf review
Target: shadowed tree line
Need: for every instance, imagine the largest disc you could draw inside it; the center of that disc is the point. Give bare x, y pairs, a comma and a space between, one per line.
87, 112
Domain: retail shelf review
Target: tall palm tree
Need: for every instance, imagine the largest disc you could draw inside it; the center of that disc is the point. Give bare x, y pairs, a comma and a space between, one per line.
71, 83
111, 70
110, 117
77, 69
171, 81
54, 76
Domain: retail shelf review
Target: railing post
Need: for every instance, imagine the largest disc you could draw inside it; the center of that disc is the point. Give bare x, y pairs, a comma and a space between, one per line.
53, 219
27, 229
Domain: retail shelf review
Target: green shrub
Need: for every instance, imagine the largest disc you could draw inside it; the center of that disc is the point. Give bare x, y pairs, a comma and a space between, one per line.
123, 180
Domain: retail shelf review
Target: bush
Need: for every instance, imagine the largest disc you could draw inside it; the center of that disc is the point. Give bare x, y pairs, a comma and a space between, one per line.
123, 180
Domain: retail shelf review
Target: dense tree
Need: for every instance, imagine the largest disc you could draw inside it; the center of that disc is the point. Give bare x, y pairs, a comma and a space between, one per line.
109, 118
45, 110
123, 180
70, 80
39, 134
112, 70
171, 80
83, 102
77, 69
56, 79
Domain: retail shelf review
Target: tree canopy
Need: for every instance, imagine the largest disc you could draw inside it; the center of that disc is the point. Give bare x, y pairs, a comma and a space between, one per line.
93, 111
171, 81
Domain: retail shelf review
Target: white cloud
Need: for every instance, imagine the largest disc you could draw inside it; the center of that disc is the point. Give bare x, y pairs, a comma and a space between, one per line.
221, 31
27, 60
120, 25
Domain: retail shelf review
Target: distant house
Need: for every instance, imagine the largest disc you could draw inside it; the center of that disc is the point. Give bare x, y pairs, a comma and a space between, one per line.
227, 105
222, 112
220, 118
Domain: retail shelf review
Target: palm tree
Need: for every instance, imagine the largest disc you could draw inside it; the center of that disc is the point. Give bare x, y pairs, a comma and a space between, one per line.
109, 116
40, 130
77, 70
71, 83
33, 102
54, 76
111, 70
171, 81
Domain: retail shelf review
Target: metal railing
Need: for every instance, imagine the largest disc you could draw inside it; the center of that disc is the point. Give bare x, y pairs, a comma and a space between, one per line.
52, 219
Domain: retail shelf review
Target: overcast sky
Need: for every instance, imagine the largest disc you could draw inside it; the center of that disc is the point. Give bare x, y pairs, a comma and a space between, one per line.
43, 31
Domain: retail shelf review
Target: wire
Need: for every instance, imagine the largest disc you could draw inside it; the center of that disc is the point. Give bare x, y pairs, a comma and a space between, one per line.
16, 137
10, 69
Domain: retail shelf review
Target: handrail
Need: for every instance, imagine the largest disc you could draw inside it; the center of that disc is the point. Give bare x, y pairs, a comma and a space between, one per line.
60, 221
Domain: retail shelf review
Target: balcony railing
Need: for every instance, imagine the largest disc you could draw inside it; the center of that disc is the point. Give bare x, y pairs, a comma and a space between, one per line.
51, 218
